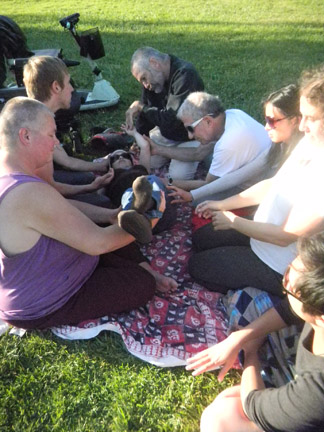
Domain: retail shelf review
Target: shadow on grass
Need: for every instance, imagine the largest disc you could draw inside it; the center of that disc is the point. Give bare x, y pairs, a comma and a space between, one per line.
237, 63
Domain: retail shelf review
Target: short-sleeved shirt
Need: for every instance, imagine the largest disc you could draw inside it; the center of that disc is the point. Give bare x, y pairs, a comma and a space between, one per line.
297, 406
242, 141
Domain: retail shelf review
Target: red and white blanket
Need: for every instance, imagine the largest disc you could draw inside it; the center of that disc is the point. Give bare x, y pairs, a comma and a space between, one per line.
171, 327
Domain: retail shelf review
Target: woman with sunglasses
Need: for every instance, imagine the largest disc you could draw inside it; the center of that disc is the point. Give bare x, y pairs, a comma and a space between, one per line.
282, 117
298, 405
232, 252
125, 172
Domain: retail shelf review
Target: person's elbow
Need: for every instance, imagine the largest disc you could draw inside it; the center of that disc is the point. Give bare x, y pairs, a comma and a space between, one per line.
284, 239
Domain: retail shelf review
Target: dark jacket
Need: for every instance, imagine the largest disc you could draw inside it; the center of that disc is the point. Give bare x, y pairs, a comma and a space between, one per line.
160, 109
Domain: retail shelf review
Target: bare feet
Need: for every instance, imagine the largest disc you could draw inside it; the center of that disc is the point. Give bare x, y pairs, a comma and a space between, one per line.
163, 283
142, 190
135, 224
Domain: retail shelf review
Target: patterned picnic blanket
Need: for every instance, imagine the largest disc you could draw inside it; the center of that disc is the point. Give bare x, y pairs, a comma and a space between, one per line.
277, 354
171, 327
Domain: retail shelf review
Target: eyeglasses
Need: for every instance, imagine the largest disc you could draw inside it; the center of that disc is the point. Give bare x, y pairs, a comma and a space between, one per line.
286, 284
272, 121
191, 128
124, 155
287, 289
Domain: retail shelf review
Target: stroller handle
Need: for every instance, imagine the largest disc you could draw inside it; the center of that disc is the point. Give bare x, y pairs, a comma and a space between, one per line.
70, 21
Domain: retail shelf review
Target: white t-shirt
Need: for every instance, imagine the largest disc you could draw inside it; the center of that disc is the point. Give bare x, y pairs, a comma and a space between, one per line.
299, 182
242, 141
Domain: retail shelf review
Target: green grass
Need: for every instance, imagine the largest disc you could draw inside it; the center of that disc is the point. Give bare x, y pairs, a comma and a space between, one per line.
52, 385
243, 49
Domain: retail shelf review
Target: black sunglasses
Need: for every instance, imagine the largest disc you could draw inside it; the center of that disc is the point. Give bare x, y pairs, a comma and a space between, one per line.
286, 290
125, 155
272, 121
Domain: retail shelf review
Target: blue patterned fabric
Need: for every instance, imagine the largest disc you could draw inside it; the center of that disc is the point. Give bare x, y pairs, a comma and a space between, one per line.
277, 355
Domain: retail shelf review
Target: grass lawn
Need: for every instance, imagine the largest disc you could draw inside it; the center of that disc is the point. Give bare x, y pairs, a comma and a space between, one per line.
243, 49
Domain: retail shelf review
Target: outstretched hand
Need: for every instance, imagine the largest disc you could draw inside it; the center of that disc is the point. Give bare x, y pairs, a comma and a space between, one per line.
222, 355
206, 208
180, 195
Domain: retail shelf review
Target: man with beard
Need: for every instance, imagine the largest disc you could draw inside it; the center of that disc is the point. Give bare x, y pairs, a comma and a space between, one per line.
166, 82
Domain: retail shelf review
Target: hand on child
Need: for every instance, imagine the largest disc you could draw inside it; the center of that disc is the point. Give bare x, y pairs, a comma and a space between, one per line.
180, 195
113, 213
103, 180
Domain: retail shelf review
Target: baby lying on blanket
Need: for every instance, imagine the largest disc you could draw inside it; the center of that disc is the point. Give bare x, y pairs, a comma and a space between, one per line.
142, 196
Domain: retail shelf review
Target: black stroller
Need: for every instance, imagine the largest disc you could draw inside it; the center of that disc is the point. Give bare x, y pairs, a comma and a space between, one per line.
14, 53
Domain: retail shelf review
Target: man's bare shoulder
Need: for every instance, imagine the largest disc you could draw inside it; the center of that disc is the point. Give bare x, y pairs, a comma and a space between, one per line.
30, 192
19, 213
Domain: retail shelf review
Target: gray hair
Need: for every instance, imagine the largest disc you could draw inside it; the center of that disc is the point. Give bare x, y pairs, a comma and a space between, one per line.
199, 104
141, 58
20, 112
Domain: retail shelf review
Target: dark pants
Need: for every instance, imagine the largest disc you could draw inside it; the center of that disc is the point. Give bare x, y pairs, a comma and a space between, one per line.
224, 260
73, 177
117, 285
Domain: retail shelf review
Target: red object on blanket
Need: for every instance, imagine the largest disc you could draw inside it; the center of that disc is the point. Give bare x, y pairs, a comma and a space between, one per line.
198, 222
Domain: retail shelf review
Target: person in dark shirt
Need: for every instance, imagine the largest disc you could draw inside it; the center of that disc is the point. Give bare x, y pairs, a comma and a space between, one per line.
298, 405
166, 82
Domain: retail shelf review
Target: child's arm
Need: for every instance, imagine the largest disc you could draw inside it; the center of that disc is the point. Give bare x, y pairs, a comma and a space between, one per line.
145, 150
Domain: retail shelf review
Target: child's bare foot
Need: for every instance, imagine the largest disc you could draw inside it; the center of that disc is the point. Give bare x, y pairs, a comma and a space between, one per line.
135, 224
142, 190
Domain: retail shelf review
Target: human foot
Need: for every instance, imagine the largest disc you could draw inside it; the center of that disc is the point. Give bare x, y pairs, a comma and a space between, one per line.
165, 283
142, 190
135, 224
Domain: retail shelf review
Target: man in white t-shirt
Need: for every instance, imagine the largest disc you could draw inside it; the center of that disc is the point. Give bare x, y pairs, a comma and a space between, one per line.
232, 137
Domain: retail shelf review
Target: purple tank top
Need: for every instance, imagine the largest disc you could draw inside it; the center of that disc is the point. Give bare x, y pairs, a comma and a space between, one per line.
39, 281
